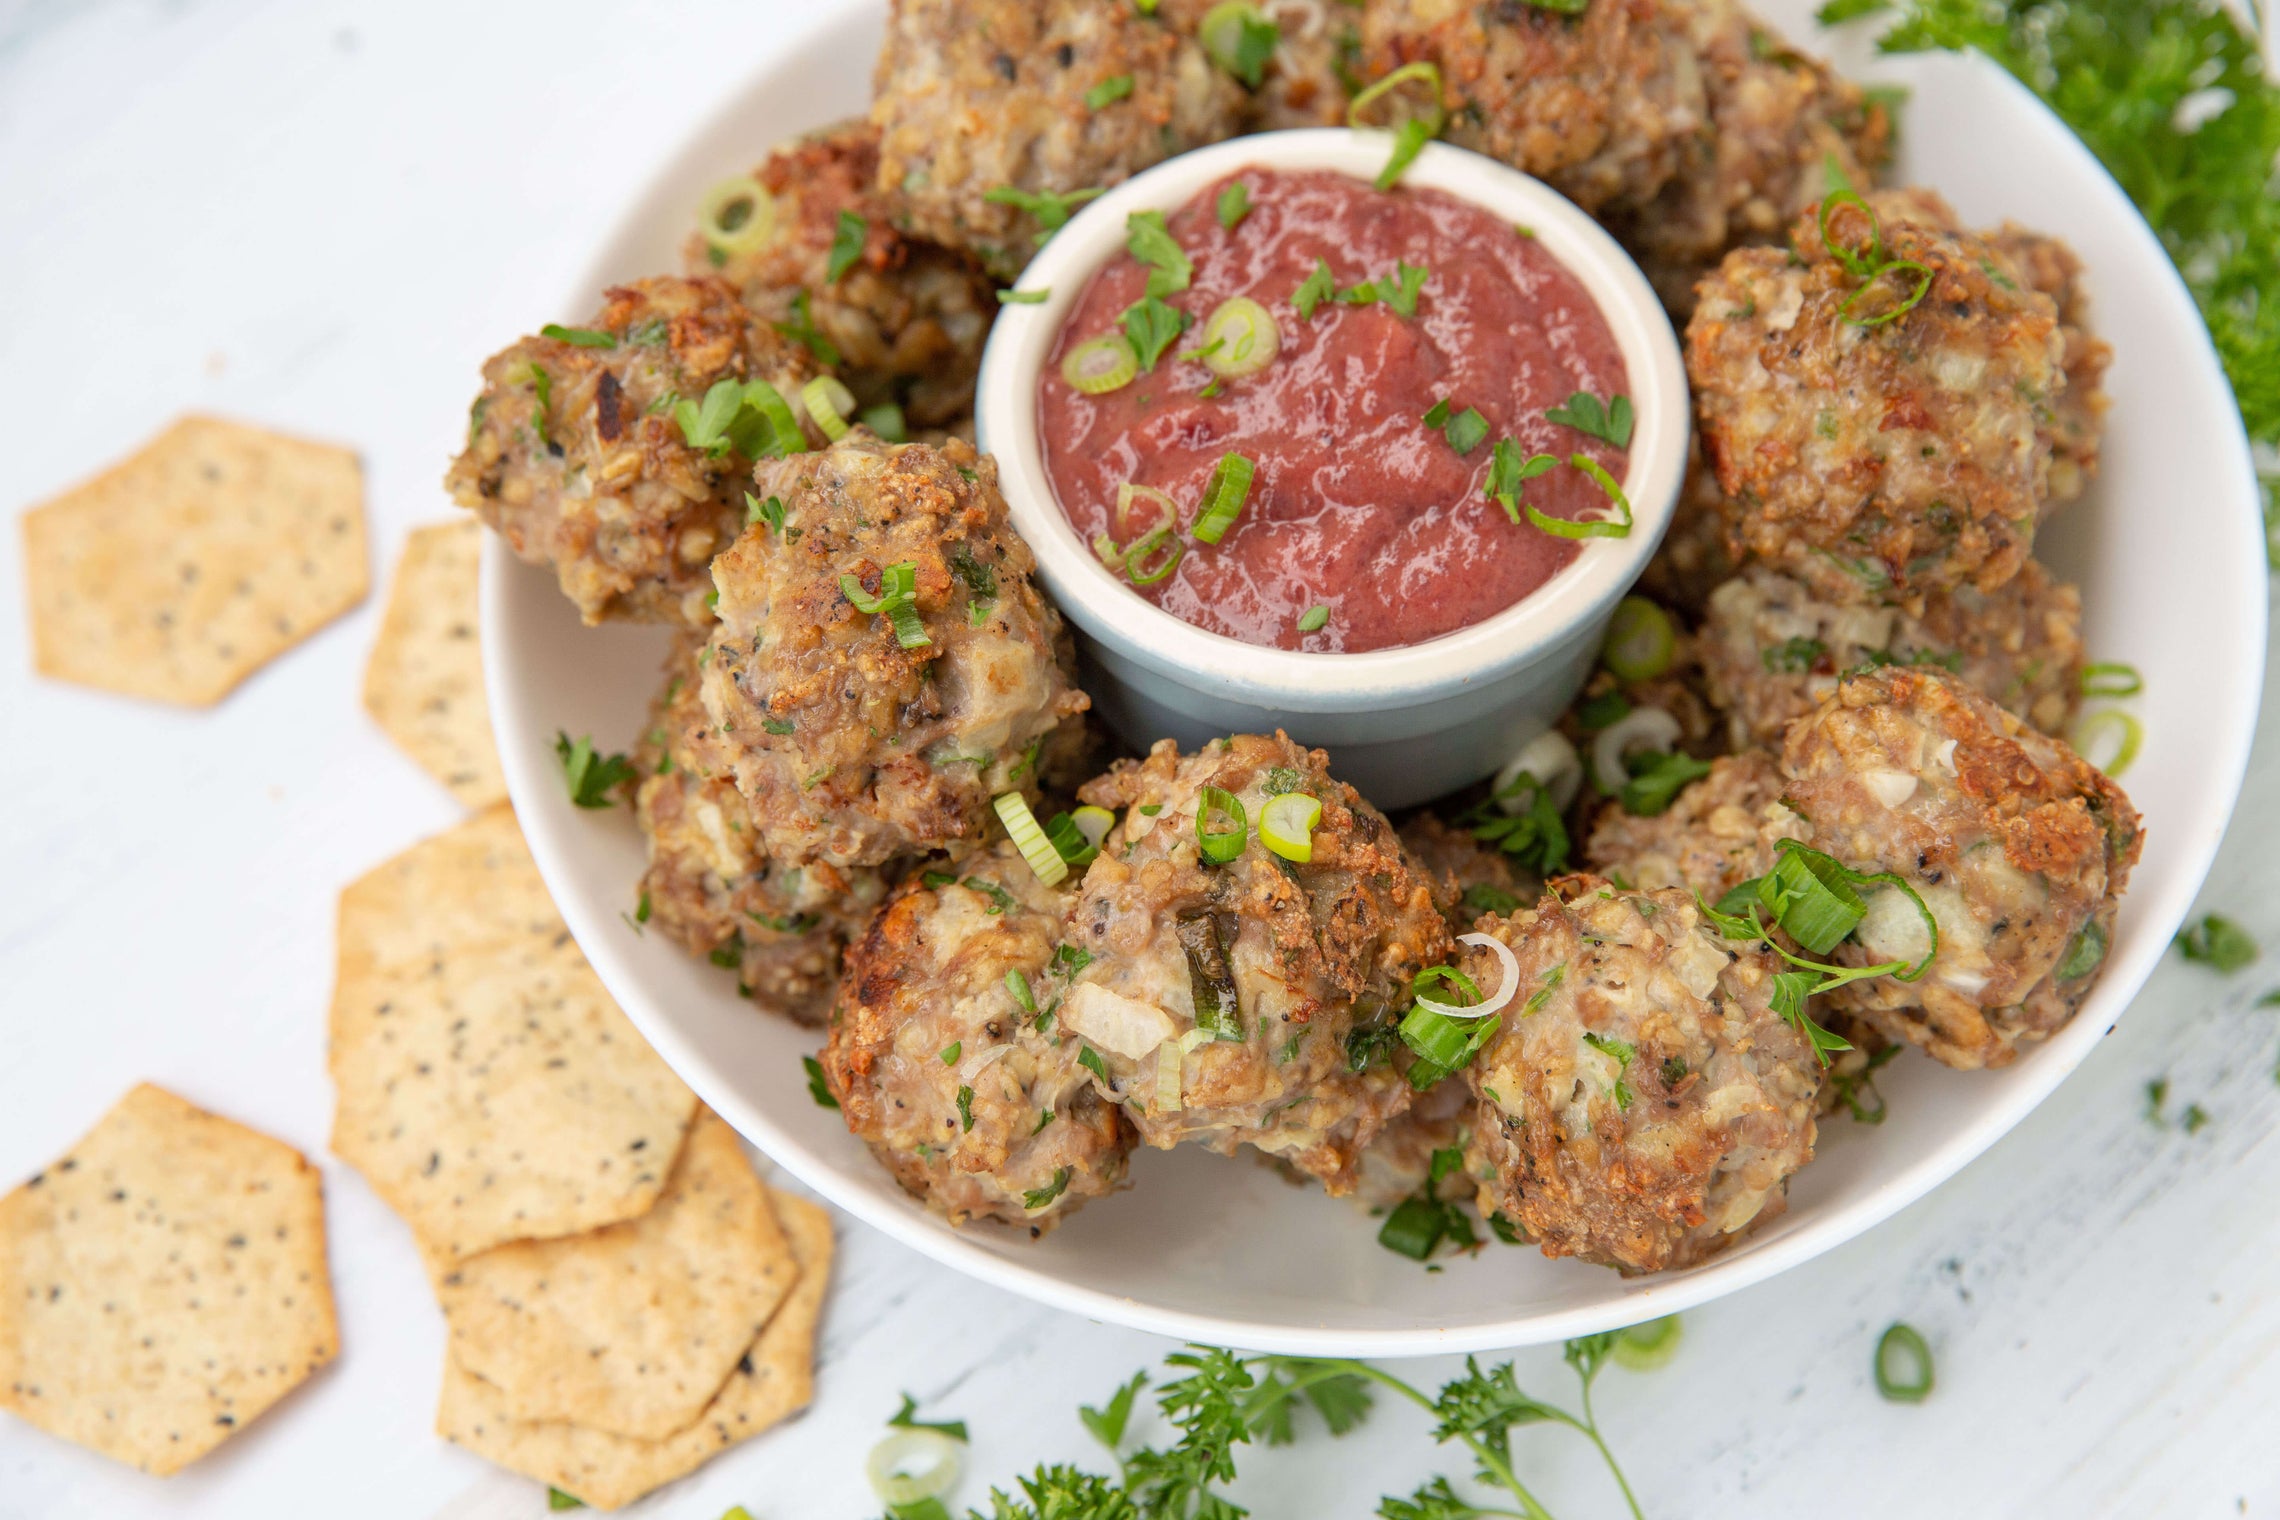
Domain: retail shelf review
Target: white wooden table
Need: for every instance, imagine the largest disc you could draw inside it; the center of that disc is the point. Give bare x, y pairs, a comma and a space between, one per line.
321, 214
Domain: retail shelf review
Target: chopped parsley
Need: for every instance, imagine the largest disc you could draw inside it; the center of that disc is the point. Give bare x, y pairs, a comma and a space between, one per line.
846, 246
1051, 210
1152, 325
578, 337
1234, 205
801, 329
1610, 421
2217, 941
818, 1089
1038, 1198
1108, 91
591, 776
1149, 241
770, 512
1313, 291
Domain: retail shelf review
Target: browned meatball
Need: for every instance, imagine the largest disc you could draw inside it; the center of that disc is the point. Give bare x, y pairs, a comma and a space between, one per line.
1603, 102
1398, 1164
1772, 650
851, 747
710, 889
1718, 833
904, 317
1641, 1104
2078, 414
1468, 878
1694, 557
937, 1060
975, 96
2019, 849
1777, 120
575, 456
1890, 459
1219, 998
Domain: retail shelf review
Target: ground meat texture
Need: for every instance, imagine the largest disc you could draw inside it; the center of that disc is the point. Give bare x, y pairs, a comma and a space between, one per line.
1878, 461
1398, 1164
1302, 85
1468, 878
982, 95
1777, 120
2077, 421
1605, 102
1294, 957
1717, 833
1772, 650
599, 482
850, 748
907, 318
1642, 1104
710, 889
937, 1062
2018, 847
1694, 558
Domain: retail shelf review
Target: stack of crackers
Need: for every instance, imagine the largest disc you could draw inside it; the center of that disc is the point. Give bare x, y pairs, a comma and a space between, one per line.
625, 1297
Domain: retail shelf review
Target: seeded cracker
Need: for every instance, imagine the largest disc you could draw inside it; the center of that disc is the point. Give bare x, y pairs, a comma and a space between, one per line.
632, 1328
162, 1284
489, 1089
424, 682
182, 570
775, 1380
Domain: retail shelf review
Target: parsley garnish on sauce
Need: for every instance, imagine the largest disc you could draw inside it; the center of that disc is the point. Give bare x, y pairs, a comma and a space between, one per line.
1609, 421
1147, 239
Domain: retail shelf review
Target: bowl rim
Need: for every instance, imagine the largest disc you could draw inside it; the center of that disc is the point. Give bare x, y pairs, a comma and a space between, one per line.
534, 787
1005, 424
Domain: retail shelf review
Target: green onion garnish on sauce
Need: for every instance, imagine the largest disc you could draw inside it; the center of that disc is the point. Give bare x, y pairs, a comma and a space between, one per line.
1240, 338
1508, 471
1466, 430
1223, 497
1618, 526
1099, 366
1313, 618
1401, 294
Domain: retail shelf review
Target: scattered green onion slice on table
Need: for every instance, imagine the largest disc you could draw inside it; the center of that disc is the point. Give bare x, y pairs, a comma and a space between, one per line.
2108, 739
1221, 845
737, 215
1286, 825
912, 1465
1240, 338
1903, 1365
1223, 497
828, 402
1100, 365
1644, 1348
1641, 643
1029, 838
2110, 678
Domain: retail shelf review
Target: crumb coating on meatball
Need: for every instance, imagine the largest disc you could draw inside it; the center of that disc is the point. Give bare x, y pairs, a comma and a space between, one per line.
1468, 878
850, 747
1301, 84
1641, 1104
972, 96
1878, 457
1286, 959
708, 886
906, 318
937, 1061
1717, 833
1694, 557
1772, 650
2078, 418
573, 454
2018, 847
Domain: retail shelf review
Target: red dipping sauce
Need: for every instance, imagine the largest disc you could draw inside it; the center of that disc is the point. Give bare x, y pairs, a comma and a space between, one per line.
1356, 504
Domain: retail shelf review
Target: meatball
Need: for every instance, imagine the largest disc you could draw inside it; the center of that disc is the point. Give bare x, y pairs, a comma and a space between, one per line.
1468, 879
710, 889
1302, 84
937, 1061
1645, 1105
574, 454
1897, 458
2018, 848
1604, 102
1717, 833
1694, 557
1251, 974
905, 317
2078, 415
1398, 1164
1777, 120
981, 96
851, 747
1772, 650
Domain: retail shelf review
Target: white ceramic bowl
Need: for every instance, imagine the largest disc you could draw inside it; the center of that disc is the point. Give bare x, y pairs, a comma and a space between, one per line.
2168, 550
1403, 725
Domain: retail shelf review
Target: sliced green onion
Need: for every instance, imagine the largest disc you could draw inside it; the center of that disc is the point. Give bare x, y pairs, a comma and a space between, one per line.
912, 1465
1923, 287
1286, 825
1100, 366
1037, 297
828, 402
1093, 823
1157, 540
1128, 493
1170, 1061
1021, 825
1220, 846
737, 215
2110, 678
1247, 337
1808, 895
1223, 497
1314, 618
2091, 739
1644, 1348
1409, 140
1618, 526
886, 420
896, 582
1108, 91
1234, 205
910, 632
1903, 1365
1240, 39
578, 337
1442, 1044
2085, 953
1429, 74
1018, 985
1641, 642
1416, 1225
1861, 266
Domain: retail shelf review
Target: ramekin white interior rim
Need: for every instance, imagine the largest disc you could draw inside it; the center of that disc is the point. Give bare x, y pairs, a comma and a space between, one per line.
1006, 424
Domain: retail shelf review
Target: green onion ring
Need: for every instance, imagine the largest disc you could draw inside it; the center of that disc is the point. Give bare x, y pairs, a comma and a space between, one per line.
1219, 846
1829, 865
1641, 643
828, 402
1223, 497
1644, 1348
1854, 264
1812, 900
1903, 1343
1029, 837
913, 1465
1157, 539
1434, 120
1100, 366
1923, 286
1104, 548
737, 234
2110, 678
1129, 493
2090, 732
1286, 825
1246, 337
1618, 526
